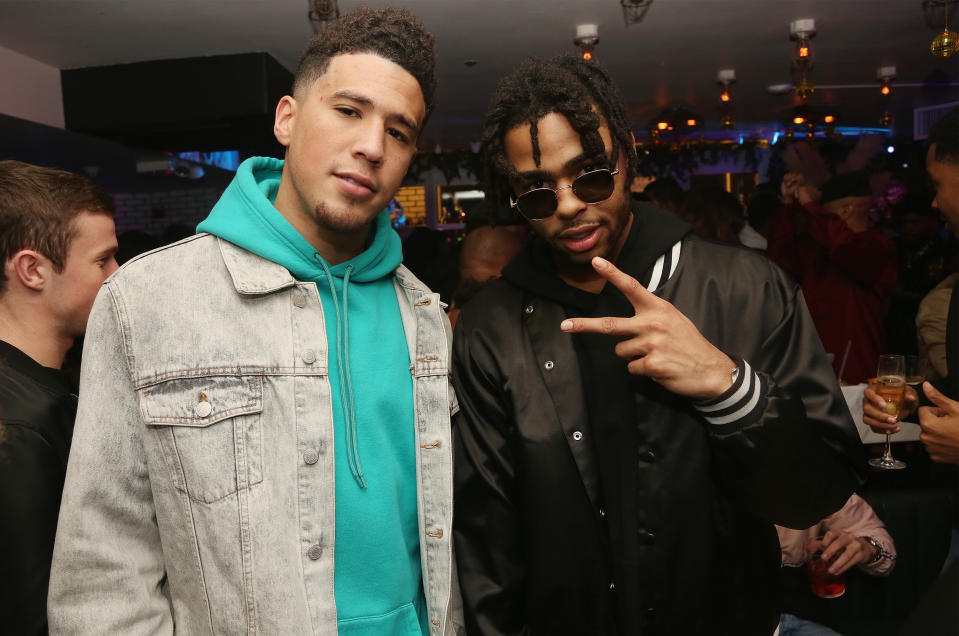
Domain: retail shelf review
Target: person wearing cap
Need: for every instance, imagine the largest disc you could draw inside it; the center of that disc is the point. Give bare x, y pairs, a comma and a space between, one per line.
846, 267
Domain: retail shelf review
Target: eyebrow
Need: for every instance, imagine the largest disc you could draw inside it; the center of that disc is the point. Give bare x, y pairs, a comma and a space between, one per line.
366, 101
110, 251
583, 157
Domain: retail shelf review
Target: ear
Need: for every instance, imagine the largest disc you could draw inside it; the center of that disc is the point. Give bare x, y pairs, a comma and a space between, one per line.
283, 121
31, 268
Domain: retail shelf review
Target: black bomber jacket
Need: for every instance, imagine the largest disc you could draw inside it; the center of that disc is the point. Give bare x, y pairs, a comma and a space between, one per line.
531, 533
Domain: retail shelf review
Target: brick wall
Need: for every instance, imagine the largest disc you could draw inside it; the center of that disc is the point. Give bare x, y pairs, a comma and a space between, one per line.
413, 200
153, 212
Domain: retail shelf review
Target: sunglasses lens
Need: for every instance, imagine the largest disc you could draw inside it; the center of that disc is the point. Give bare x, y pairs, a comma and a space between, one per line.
537, 204
594, 186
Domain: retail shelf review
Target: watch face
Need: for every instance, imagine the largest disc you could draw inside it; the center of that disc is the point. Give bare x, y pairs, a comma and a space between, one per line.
880, 552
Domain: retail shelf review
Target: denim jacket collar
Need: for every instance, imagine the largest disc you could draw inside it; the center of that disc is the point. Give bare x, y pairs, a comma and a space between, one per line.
252, 274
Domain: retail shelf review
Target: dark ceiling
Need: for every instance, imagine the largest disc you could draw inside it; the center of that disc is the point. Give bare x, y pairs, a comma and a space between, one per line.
670, 58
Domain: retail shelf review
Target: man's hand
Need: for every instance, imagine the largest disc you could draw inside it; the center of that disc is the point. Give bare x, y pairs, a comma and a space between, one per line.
808, 194
791, 182
847, 548
940, 426
874, 413
660, 342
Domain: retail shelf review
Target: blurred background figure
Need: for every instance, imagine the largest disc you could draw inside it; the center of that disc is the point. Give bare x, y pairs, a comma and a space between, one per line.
432, 256
57, 246
761, 209
665, 193
853, 536
713, 213
485, 252
847, 268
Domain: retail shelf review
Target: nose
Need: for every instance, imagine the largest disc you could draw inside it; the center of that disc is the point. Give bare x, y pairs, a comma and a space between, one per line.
568, 204
370, 141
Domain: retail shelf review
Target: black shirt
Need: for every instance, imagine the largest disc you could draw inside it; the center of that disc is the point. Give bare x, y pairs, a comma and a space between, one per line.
37, 409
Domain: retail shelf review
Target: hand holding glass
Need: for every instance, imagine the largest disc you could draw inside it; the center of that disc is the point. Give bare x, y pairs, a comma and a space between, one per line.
891, 386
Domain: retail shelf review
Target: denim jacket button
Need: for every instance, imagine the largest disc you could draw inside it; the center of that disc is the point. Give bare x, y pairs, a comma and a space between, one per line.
299, 300
309, 356
203, 409
311, 457
315, 551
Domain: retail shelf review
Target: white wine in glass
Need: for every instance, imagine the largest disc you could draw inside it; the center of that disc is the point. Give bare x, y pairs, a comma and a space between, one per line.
891, 387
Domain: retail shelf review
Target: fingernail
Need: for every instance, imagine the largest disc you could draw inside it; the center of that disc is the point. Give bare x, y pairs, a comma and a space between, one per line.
891, 419
599, 262
566, 325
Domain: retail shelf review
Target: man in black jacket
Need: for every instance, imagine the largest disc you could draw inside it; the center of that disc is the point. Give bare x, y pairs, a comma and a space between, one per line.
56, 247
639, 406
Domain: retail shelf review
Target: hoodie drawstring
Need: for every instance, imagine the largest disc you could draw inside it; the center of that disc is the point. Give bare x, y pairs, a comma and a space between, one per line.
343, 368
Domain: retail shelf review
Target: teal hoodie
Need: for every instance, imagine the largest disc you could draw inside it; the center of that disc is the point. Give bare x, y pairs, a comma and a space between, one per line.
377, 576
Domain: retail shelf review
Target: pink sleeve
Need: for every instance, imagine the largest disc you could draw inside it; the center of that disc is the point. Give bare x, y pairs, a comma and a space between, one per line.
858, 518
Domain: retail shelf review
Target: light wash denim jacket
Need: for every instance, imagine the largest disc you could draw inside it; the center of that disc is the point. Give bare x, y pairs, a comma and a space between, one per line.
199, 495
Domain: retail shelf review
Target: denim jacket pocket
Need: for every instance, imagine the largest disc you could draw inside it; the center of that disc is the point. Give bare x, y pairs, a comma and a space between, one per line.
209, 431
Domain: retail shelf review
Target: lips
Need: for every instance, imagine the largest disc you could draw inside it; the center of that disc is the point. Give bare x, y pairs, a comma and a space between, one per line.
580, 239
355, 184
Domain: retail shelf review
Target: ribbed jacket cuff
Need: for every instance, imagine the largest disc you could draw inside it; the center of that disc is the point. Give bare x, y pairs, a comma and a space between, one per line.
736, 406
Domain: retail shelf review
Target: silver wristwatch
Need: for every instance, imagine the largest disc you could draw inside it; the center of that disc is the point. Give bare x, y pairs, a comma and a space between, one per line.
880, 552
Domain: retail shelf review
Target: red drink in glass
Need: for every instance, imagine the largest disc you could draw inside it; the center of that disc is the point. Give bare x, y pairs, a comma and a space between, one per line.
823, 583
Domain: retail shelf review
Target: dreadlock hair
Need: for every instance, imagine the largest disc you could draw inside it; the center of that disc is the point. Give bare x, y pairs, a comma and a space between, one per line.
566, 85
945, 135
393, 34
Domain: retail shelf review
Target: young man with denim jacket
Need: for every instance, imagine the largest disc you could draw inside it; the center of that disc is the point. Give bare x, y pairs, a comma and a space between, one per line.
262, 444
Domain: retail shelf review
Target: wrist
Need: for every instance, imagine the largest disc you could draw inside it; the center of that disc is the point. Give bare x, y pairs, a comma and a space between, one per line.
725, 373
877, 551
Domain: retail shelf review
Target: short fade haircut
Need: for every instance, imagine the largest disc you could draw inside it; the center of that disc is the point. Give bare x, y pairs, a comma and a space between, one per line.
945, 135
38, 210
566, 85
391, 33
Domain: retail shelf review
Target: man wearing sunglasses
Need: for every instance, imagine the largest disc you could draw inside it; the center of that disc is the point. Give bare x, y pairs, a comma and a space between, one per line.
639, 406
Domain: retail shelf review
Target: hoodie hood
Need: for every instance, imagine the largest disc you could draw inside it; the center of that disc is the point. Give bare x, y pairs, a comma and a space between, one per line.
246, 217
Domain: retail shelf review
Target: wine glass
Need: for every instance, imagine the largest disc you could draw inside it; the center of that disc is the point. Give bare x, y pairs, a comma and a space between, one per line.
891, 386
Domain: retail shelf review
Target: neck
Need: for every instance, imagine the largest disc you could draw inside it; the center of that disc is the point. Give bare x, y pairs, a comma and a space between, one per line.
20, 328
583, 277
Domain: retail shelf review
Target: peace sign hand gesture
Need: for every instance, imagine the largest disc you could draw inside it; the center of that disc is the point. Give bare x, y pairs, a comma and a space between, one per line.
659, 341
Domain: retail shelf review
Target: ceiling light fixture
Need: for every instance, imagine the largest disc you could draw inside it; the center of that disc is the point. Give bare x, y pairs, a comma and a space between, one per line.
803, 58
802, 31
321, 12
726, 77
587, 37
634, 10
885, 74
